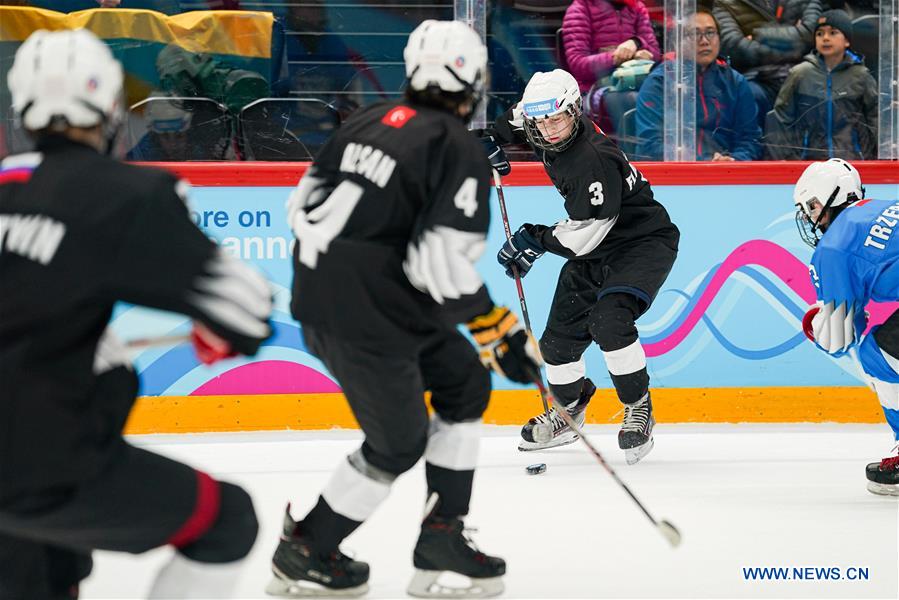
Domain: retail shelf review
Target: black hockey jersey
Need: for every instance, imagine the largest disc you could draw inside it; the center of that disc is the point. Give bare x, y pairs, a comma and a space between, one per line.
608, 201
78, 232
390, 220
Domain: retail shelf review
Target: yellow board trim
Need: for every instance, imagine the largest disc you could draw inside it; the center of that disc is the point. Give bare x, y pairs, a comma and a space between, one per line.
195, 414
241, 33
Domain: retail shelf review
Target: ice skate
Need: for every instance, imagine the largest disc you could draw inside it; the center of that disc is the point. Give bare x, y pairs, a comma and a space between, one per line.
299, 573
883, 477
562, 433
635, 437
444, 548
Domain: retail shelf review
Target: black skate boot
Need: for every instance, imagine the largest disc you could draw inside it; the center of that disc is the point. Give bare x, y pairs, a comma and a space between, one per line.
299, 572
883, 477
635, 437
443, 546
562, 433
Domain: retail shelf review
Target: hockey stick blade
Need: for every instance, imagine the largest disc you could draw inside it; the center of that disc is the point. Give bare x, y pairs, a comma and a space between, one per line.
668, 531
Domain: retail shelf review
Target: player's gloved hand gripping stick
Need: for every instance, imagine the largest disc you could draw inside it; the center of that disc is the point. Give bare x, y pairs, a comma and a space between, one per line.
543, 432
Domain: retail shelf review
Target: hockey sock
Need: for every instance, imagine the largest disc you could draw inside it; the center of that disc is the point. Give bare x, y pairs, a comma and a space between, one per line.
450, 460
184, 578
566, 380
355, 490
627, 367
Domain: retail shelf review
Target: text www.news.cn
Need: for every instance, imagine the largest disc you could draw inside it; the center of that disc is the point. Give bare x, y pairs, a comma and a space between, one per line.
805, 574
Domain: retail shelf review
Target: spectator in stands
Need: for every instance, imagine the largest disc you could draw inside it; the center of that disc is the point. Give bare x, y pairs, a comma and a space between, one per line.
726, 124
166, 138
764, 39
828, 106
109, 3
599, 35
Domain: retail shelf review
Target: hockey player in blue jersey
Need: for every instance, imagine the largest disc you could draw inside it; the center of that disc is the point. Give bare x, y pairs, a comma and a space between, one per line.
856, 260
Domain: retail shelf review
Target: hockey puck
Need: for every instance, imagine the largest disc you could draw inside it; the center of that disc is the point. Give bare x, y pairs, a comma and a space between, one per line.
536, 469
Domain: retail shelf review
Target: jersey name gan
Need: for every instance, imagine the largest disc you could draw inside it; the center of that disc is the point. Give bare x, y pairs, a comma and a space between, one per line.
369, 162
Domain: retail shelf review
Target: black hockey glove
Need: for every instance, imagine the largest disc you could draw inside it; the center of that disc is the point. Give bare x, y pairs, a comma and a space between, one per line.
495, 155
505, 347
520, 251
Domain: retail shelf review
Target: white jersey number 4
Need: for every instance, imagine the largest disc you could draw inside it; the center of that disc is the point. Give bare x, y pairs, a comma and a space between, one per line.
466, 199
318, 227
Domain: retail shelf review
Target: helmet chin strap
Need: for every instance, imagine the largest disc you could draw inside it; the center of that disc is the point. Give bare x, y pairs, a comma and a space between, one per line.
817, 224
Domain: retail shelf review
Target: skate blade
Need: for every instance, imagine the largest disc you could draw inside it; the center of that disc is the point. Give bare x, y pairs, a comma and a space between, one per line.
286, 588
633, 455
425, 584
883, 489
560, 440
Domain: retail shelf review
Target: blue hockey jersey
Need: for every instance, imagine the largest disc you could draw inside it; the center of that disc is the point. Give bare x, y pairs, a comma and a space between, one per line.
857, 260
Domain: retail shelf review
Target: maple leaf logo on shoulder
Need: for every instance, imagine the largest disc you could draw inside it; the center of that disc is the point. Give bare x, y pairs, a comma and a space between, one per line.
398, 116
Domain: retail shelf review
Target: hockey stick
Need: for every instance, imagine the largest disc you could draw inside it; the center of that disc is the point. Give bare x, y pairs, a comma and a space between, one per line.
546, 434
668, 531
163, 340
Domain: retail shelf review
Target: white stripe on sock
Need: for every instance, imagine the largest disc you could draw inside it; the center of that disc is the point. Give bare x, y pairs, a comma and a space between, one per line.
453, 445
567, 373
627, 360
352, 494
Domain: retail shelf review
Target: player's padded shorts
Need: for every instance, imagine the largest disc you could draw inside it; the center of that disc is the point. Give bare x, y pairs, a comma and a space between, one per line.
386, 390
588, 305
138, 502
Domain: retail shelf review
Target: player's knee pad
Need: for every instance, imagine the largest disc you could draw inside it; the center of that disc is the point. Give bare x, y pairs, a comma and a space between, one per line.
877, 361
397, 452
357, 487
233, 533
466, 401
558, 350
611, 323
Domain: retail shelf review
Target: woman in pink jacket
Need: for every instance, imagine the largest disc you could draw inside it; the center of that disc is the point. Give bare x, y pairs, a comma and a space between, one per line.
599, 35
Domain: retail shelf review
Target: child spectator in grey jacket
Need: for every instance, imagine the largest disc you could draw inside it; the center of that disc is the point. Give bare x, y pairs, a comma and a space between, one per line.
828, 106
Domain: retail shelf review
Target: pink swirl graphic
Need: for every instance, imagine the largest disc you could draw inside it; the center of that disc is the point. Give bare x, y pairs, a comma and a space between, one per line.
756, 252
790, 270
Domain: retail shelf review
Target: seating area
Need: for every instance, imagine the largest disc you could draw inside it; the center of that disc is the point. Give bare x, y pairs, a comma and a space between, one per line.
327, 59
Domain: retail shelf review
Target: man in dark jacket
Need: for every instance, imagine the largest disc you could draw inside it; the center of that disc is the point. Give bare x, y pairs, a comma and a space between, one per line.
726, 121
764, 38
828, 106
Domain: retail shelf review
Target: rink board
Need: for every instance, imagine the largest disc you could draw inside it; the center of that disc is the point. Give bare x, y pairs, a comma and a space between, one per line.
726, 324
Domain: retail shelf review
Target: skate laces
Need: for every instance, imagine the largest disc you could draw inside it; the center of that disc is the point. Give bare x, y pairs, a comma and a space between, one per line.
889, 463
558, 422
469, 542
636, 416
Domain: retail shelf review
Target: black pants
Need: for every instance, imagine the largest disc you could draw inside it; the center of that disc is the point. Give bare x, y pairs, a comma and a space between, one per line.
139, 502
599, 300
386, 394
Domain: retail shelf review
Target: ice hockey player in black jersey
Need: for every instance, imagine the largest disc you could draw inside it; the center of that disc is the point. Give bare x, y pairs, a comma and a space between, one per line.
80, 231
620, 245
390, 220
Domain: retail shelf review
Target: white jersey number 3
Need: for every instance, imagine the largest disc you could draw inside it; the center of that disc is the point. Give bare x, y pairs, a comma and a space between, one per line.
466, 199
596, 189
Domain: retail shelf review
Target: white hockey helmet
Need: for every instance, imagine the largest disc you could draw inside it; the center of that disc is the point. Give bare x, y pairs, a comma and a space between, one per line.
69, 76
165, 116
448, 57
546, 95
833, 183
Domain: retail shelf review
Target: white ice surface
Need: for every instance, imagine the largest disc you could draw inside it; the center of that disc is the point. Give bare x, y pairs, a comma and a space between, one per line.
742, 496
